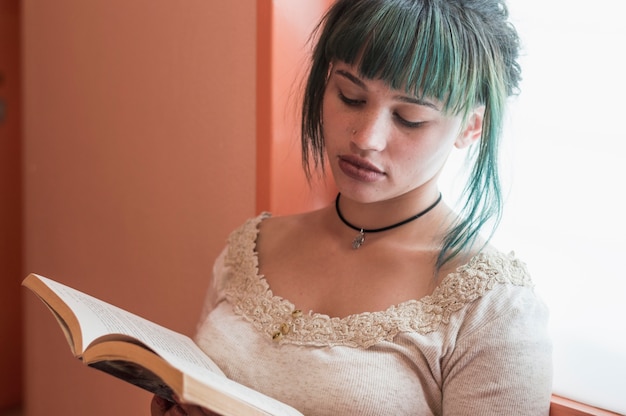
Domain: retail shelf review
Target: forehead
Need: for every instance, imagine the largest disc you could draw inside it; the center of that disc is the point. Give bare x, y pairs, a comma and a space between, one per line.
408, 45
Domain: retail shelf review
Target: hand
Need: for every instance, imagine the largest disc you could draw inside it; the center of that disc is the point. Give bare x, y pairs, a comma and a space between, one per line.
163, 407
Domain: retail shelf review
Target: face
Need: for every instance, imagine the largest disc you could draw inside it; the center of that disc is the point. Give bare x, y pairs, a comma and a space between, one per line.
382, 143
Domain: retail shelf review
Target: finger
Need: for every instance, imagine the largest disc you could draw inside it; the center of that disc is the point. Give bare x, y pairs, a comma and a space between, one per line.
159, 406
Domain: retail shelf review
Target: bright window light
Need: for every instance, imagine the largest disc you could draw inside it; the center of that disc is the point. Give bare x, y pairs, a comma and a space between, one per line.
564, 166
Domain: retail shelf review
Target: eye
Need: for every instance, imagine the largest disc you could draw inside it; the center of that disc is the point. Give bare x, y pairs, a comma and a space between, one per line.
407, 123
350, 101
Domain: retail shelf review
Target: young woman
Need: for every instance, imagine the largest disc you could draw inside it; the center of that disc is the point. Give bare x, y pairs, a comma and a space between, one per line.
388, 302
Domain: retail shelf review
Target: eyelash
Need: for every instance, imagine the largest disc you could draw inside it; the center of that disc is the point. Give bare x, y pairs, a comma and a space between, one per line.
349, 101
409, 124
355, 103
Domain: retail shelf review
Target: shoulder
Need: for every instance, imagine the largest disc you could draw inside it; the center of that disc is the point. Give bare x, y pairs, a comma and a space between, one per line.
481, 274
270, 231
249, 227
293, 223
503, 292
497, 267
285, 233
242, 240
501, 338
268, 222
493, 286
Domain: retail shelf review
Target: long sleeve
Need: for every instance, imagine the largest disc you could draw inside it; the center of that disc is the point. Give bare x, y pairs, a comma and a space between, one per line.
501, 363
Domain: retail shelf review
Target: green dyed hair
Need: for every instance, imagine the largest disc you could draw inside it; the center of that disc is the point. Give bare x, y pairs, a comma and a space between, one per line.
461, 52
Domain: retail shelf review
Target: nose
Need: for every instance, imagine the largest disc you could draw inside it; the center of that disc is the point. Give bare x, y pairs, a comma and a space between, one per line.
371, 131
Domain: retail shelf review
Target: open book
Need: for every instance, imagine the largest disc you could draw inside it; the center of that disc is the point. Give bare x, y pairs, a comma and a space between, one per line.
147, 355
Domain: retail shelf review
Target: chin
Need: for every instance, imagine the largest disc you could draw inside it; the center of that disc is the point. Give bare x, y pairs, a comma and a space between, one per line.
362, 194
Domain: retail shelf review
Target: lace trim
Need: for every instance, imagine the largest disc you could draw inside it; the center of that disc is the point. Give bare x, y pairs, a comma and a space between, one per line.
251, 297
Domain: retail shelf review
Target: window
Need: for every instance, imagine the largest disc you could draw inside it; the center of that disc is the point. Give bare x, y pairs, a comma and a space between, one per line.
564, 164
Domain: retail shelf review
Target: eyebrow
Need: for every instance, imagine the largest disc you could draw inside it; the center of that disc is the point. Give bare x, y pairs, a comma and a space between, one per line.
404, 98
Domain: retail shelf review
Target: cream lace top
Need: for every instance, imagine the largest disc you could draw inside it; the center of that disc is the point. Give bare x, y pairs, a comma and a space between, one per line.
476, 346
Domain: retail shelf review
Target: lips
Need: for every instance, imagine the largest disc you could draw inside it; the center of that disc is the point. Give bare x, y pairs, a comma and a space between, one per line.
360, 169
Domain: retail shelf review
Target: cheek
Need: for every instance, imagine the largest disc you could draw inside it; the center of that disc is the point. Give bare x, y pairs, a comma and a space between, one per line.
425, 155
333, 121
330, 109
327, 112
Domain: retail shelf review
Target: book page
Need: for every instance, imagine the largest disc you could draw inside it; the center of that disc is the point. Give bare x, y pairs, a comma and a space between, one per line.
98, 318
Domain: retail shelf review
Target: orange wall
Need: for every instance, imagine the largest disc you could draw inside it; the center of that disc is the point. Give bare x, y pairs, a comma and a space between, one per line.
10, 207
283, 62
139, 159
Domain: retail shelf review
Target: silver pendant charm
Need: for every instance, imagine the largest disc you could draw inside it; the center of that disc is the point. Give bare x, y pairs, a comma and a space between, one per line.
358, 240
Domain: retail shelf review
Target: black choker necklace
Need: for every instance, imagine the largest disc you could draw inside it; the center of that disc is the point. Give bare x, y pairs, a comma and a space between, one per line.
360, 238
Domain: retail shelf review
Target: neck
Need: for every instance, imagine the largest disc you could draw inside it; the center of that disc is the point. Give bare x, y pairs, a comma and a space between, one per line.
363, 230
372, 215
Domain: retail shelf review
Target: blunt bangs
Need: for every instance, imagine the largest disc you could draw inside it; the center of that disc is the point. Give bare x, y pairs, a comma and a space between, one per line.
417, 48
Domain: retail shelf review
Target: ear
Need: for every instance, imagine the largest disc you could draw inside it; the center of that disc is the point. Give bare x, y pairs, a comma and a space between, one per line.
472, 130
